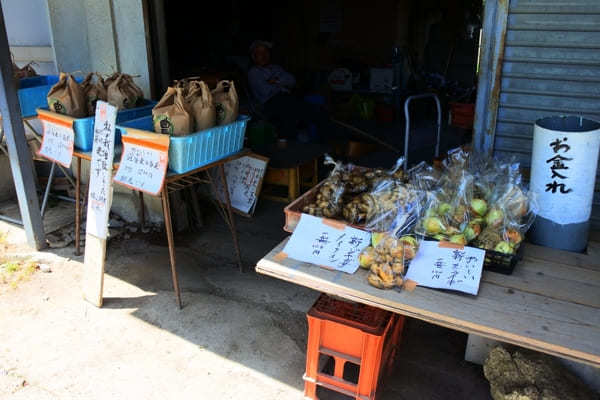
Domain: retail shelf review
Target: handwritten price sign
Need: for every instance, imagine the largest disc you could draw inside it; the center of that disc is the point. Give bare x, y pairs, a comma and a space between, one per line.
58, 139
144, 163
244, 178
327, 244
453, 268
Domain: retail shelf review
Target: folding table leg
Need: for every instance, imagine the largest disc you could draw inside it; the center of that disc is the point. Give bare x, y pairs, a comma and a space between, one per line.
169, 229
78, 208
231, 218
47, 191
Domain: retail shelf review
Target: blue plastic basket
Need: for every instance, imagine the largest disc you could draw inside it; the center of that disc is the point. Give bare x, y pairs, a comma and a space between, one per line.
84, 127
33, 93
200, 148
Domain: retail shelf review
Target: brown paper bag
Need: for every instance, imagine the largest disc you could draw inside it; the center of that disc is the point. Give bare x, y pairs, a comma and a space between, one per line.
93, 91
122, 92
134, 88
27, 71
170, 115
108, 81
66, 97
226, 102
200, 103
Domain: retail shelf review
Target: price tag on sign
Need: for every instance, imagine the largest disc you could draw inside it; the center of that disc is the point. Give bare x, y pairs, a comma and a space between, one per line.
58, 139
144, 163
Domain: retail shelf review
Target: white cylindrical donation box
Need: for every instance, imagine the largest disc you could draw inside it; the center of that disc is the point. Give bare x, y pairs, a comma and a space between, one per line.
563, 175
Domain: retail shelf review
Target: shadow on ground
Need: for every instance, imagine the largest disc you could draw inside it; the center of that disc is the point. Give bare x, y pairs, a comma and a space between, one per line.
260, 322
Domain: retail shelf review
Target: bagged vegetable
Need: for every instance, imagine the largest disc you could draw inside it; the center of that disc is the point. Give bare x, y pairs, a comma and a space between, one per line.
122, 92
110, 79
446, 212
226, 102
200, 104
93, 91
387, 258
511, 215
397, 208
424, 177
66, 97
329, 200
170, 116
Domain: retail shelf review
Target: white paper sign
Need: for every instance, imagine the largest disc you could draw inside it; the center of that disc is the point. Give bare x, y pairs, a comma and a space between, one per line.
318, 242
57, 142
563, 173
244, 177
100, 192
447, 268
143, 165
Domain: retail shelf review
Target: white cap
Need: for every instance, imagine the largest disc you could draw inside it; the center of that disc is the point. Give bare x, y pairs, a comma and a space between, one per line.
257, 43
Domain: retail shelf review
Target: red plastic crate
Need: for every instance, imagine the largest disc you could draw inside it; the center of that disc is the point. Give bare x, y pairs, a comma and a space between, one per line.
350, 333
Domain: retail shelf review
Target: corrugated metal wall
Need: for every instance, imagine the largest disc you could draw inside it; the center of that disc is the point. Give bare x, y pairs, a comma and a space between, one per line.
551, 66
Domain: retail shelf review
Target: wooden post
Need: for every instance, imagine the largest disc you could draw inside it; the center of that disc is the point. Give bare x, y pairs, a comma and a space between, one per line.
99, 201
21, 163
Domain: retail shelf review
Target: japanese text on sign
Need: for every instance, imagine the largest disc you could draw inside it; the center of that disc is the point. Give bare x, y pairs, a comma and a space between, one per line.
316, 242
100, 193
57, 142
243, 176
447, 268
558, 166
143, 165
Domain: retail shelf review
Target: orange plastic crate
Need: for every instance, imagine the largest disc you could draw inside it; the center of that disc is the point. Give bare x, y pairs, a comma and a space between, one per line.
350, 333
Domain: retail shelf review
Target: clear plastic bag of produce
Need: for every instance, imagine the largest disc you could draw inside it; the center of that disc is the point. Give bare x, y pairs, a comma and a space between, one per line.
512, 211
389, 206
387, 259
329, 200
447, 212
424, 176
396, 207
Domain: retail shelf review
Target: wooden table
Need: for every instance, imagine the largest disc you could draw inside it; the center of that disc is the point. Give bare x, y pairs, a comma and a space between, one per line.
551, 302
173, 182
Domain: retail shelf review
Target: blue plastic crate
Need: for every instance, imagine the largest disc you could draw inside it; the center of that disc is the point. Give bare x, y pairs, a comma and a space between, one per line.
200, 148
33, 93
84, 127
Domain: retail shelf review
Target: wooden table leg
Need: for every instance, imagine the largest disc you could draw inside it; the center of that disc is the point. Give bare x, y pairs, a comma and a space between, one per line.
78, 208
169, 229
231, 218
142, 211
293, 183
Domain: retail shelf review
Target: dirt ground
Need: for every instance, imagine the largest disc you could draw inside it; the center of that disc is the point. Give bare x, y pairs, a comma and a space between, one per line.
239, 336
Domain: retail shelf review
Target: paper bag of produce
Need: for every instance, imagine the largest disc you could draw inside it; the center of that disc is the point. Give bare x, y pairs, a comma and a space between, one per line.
135, 88
66, 97
111, 78
226, 102
93, 91
200, 104
170, 115
123, 93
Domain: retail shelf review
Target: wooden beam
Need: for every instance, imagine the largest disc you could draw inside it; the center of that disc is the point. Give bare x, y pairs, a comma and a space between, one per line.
21, 163
490, 75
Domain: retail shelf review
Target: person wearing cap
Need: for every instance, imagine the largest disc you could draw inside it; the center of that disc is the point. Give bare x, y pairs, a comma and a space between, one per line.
267, 80
271, 86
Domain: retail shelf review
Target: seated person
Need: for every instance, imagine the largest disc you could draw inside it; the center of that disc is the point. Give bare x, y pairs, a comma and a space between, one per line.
271, 86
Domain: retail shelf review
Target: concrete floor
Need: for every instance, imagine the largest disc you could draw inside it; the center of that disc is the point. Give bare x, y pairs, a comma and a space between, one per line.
239, 336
